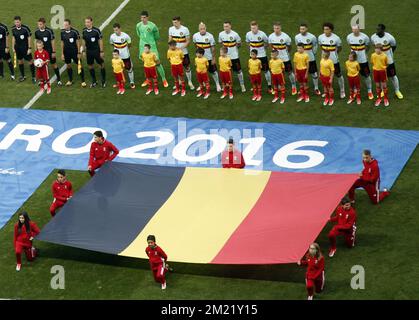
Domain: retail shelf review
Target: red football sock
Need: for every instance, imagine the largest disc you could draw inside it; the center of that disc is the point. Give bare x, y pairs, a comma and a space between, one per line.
177, 84
18, 258
156, 84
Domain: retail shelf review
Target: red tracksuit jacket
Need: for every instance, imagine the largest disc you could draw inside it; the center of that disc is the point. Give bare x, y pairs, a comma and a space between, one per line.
62, 191
156, 256
315, 266
102, 152
232, 159
371, 171
24, 236
345, 219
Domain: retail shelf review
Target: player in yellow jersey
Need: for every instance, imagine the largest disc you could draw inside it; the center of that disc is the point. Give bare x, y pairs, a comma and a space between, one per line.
255, 69
277, 67
150, 62
327, 72
301, 65
118, 67
225, 73
202, 65
379, 62
175, 57
353, 68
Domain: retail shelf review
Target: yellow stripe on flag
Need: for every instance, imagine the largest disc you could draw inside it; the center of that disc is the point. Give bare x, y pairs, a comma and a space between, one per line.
14, 61
202, 213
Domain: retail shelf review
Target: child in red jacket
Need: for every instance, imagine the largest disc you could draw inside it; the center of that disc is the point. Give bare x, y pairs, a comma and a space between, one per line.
158, 259
345, 219
25, 231
314, 261
62, 191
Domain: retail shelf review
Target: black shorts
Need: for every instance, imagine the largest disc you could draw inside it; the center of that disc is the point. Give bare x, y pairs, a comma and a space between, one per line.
391, 70
338, 72
51, 59
70, 56
288, 66
236, 65
212, 67
92, 56
186, 61
4, 55
127, 63
265, 63
312, 67
365, 69
22, 54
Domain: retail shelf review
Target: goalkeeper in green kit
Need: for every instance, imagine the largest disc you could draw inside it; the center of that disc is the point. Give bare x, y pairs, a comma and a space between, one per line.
148, 33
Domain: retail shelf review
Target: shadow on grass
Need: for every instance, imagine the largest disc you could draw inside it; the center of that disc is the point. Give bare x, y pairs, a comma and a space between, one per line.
278, 272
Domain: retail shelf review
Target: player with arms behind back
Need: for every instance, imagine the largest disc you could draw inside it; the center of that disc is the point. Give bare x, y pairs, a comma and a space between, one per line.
5, 51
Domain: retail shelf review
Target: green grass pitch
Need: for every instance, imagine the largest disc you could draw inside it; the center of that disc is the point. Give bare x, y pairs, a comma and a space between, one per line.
387, 234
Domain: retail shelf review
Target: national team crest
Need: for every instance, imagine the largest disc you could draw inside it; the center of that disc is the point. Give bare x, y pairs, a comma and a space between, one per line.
231, 38
71, 40
45, 39
331, 41
181, 33
282, 40
259, 38
206, 39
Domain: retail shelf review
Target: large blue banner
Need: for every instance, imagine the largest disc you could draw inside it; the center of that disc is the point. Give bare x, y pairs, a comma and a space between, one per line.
34, 142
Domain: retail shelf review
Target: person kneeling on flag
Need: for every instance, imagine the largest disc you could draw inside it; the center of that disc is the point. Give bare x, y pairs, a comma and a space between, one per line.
101, 151
231, 157
345, 219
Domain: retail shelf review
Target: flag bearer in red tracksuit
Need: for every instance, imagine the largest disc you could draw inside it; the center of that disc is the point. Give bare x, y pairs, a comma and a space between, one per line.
62, 190
231, 157
369, 179
101, 151
314, 261
345, 219
157, 258
25, 231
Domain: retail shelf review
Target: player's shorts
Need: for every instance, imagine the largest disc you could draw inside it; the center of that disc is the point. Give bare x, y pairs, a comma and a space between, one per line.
127, 63
338, 71
380, 76
92, 56
212, 67
202, 77
119, 77
177, 71
42, 73
150, 72
312, 67
325, 81
256, 79
265, 63
4, 55
225, 77
391, 70
236, 65
278, 79
354, 82
365, 69
51, 59
186, 61
301, 75
70, 56
22, 54
288, 66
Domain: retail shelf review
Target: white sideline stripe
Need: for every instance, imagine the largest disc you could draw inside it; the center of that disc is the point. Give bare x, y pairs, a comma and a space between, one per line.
64, 67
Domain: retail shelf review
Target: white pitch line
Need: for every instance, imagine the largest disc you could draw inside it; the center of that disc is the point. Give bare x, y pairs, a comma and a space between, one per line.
64, 67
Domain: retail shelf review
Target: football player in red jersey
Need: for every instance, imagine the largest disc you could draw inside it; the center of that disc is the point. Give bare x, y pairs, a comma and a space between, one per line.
101, 151
345, 219
157, 258
25, 231
314, 261
369, 179
42, 71
62, 190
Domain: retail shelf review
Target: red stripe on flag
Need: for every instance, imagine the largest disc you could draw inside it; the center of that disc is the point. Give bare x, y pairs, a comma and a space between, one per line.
289, 215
